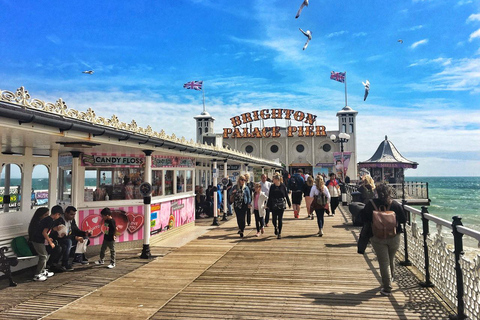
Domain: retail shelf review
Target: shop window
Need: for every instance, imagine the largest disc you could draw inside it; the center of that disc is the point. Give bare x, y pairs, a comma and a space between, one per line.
189, 175
274, 148
157, 180
168, 182
10, 188
180, 181
300, 148
249, 149
64, 185
40, 184
112, 184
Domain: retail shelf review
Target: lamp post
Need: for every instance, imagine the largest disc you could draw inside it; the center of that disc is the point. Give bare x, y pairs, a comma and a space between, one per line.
342, 138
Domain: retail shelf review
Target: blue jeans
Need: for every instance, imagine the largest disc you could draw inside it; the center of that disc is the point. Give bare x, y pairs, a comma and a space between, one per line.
320, 217
66, 244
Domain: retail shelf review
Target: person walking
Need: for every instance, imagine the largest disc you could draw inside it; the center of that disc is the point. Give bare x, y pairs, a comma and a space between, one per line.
266, 189
319, 189
333, 186
366, 188
241, 202
385, 249
259, 200
250, 186
295, 184
276, 203
307, 187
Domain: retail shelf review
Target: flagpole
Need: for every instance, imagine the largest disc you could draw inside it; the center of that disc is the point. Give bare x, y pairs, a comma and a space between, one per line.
346, 104
203, 91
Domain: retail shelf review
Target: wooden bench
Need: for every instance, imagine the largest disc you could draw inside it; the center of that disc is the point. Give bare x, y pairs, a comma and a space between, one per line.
9, 259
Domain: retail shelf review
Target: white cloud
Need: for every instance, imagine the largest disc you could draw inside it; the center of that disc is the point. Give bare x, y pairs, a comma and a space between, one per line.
457, 75
474, 35
474, 17
421, 42
336, 34
360, 34
54, 39
438, 61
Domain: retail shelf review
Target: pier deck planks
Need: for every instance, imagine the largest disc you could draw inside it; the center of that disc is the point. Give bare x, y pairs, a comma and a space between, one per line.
220, 276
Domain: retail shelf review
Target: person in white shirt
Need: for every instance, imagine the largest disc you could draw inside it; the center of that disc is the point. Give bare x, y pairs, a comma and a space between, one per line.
266, 189
317, 190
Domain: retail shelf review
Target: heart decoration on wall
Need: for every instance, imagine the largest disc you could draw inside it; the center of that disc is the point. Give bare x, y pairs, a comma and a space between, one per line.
135, 221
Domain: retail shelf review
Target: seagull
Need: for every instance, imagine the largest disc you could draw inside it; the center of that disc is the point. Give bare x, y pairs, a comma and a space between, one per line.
400, 40
367, 88
308, 34
304, 4
88, 72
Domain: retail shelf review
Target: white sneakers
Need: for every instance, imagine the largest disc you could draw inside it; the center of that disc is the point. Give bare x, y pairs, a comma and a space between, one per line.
47, 273
320, 233
39, 277
43, 276
110, 266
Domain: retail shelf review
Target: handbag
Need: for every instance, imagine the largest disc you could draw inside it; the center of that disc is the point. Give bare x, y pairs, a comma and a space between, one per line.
279, 204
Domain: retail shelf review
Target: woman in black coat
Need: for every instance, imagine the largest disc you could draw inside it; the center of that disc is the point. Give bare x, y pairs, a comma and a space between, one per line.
276, 203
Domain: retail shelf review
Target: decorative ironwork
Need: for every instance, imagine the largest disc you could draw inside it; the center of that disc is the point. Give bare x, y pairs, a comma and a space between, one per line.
24, 100
442, 265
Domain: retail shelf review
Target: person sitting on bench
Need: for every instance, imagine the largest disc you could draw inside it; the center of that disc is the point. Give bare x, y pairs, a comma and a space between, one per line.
68, 237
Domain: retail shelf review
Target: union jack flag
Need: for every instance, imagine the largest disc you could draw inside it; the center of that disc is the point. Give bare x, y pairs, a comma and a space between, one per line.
338, 76
196, 85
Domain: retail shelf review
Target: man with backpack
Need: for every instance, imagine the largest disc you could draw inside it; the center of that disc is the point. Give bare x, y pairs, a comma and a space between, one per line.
295, 184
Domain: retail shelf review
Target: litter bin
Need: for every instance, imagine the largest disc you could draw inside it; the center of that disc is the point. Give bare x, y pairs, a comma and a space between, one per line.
356, 196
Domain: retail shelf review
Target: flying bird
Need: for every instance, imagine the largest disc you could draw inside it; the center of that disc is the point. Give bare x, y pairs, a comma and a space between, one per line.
307, 34
304, 4
367, 89
400, 40
88, 72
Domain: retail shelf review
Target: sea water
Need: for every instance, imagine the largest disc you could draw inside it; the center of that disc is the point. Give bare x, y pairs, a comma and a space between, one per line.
454, 196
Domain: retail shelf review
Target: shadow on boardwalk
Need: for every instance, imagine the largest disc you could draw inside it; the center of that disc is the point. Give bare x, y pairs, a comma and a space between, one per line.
222, 276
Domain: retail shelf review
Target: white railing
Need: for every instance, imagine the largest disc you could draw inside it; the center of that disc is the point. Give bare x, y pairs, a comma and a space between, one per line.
442, 259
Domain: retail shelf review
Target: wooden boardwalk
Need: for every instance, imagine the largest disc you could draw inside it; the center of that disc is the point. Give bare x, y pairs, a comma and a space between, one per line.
220, 276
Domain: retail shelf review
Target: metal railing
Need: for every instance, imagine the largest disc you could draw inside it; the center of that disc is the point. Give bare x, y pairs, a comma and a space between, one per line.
443, 260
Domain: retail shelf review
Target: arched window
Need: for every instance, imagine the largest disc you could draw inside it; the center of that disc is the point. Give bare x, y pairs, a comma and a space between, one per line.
344, 128
10, 188
351, 128
40, 182
200, 131
206, 130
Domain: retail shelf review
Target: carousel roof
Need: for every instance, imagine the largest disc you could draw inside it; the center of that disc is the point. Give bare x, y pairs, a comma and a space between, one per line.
387, 156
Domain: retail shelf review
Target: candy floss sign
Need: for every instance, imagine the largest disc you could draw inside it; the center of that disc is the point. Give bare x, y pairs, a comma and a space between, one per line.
129, 221
171, 214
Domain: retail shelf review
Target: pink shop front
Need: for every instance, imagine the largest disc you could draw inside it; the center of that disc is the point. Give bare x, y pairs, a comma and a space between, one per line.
112, 180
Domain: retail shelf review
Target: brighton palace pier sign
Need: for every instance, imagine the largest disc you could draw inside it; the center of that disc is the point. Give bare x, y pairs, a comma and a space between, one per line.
266, 132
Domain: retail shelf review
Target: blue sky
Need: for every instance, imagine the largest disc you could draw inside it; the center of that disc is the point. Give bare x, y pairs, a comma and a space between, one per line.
424, 93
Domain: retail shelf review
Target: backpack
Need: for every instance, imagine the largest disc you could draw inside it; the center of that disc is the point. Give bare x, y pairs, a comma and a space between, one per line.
20, 247
384, 222
321, 200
